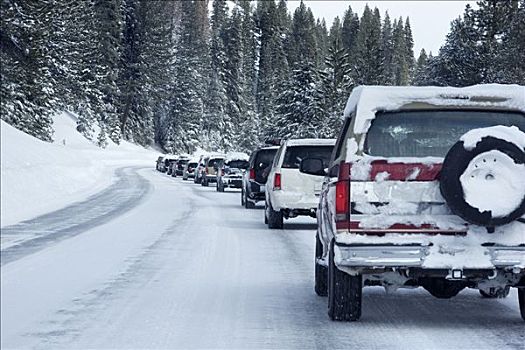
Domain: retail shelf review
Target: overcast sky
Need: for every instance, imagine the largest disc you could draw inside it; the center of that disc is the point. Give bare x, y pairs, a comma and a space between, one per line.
430, 20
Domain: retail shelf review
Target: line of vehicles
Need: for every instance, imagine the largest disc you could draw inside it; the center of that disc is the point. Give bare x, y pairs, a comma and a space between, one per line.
424, 187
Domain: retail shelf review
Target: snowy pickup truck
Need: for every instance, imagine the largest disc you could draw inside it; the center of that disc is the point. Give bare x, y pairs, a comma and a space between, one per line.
426, 187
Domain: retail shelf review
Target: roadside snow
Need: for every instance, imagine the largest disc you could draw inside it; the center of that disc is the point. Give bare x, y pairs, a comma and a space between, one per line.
508, 133
38, 177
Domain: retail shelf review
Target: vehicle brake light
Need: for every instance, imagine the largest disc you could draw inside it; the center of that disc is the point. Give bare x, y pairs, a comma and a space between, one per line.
222, 172
277, 181
206, 171
342, 201
252, 174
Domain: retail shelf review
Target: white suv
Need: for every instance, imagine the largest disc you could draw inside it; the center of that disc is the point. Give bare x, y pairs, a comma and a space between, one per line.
289, 192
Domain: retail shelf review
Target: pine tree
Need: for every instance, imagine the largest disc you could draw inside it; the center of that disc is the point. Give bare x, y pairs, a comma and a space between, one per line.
332, 93
409, 50
512, 54
387, 52
296, 106
349, 34
188, 92
399, 58
27, 90
302, 47
368, 46
420, 72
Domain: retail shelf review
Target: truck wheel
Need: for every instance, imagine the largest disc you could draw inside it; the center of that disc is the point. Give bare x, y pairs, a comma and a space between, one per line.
204, 182
521, 299
220, 187
344, 292
242, 196
321, 271
275, 218
494, 293
248, 204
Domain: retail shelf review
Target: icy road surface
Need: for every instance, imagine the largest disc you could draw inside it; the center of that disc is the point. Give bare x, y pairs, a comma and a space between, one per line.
187, 267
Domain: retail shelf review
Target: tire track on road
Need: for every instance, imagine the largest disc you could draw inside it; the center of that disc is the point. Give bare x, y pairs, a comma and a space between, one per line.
129, 190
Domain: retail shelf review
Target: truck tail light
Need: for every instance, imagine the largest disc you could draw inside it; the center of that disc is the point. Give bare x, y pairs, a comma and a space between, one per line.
277, 181
342, 197
252, 174
206, 170
342, 201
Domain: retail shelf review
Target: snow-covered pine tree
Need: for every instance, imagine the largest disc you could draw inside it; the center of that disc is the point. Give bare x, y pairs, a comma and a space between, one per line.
233, 83
189, 88
215, 120
368, 46
296, 108
27, 91
387, 52
350, 31
399, 58
108, 26
322, 43
409, 49
302, 44
332, 93
512, 55
250, 126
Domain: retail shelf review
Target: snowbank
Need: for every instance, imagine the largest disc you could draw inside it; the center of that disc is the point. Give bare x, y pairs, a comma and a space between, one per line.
38, 177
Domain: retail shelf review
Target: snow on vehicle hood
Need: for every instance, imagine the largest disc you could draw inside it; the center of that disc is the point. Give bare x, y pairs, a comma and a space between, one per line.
367, 100
507, 133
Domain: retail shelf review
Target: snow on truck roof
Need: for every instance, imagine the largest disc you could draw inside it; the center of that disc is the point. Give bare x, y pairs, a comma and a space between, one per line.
310, 142
236, 156
365, 100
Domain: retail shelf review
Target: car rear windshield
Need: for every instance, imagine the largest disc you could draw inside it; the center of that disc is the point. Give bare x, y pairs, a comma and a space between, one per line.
214, 162
192, 165
239, 164
264, 158
295, 154
429, 133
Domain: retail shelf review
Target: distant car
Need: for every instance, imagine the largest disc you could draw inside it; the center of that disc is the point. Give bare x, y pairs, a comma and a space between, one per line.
231, 171
290, 193
159, 165
254, 179
171, 167
199, 170
179, 167
209, 172
190, 169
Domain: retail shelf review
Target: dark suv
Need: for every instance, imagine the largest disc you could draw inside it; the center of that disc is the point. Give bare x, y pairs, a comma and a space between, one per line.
254, 180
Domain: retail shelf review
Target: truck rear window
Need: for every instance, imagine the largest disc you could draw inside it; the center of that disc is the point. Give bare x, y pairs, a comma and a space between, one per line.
295, 154
264, 158
238, 164
429, 133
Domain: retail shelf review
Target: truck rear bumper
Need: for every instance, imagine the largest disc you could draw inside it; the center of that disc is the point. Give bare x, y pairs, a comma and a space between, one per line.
398, 256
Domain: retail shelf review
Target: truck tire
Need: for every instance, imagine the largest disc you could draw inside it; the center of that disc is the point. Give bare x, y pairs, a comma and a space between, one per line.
344, 292
495, 293
248, 204
521, 299
458, 161
204, 182
321, 271
275, 218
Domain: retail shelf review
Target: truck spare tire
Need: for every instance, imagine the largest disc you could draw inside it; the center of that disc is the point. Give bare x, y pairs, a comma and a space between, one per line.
485, 185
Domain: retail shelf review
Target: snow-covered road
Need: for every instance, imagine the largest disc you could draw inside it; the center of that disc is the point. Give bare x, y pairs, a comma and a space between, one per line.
187, 267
